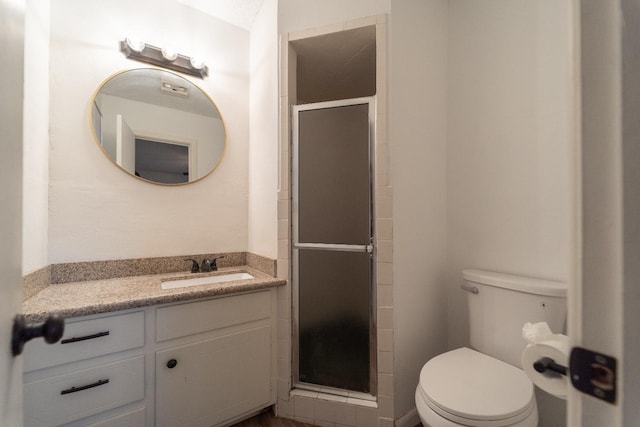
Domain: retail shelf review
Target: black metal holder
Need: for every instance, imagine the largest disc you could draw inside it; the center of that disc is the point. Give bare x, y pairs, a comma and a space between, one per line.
548, 364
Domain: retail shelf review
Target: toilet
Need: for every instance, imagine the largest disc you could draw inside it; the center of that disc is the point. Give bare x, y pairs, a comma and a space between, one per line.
484, 385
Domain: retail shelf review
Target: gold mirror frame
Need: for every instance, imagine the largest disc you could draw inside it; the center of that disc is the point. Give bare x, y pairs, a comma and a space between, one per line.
171, 123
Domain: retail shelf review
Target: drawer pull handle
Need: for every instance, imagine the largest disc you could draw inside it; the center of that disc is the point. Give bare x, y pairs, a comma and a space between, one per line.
84, 387
87, 337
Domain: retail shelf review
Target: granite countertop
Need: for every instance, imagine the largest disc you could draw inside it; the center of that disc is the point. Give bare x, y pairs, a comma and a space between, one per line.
101, 296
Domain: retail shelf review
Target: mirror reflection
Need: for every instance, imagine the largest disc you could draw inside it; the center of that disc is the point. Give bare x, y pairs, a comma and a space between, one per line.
158, 126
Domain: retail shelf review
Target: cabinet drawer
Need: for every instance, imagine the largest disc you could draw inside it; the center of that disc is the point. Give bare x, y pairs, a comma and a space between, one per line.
83, 339
192, 318
79, 394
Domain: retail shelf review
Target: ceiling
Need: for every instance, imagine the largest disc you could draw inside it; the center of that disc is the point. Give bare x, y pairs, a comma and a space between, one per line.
144, 85
334, 65
241, 13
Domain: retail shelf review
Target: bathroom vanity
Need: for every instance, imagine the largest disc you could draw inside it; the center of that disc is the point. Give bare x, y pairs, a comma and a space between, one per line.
206, 356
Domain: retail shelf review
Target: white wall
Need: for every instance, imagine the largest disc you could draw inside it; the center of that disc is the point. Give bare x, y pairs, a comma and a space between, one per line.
418, 148
35, 197
263, 125
509, 160
96, 211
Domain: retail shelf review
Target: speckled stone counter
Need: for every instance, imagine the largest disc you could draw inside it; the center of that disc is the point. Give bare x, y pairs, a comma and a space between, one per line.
100, 296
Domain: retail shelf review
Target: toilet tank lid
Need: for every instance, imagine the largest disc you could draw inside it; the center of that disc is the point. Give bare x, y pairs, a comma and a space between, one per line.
516, 283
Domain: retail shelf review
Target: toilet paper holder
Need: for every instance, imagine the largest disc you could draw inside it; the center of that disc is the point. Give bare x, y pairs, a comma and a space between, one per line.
545, 364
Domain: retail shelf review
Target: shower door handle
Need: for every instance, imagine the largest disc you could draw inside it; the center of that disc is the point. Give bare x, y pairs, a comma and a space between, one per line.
335, 247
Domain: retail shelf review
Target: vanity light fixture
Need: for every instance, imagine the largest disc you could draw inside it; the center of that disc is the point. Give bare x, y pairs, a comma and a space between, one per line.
166, 58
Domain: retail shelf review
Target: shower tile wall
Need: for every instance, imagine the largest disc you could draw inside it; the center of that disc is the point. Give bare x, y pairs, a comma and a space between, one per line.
302, 405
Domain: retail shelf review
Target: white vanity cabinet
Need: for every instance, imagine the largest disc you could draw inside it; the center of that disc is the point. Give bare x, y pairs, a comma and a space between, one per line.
216, 363
97, 366
206, 362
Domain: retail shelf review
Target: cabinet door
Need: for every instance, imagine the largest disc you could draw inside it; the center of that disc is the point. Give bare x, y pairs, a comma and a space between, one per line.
213, 380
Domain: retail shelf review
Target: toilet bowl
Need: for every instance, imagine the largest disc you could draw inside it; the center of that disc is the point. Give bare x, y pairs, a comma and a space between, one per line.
464, 387
485, 387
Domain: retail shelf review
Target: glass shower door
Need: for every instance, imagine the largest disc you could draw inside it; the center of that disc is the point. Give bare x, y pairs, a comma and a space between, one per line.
333, 246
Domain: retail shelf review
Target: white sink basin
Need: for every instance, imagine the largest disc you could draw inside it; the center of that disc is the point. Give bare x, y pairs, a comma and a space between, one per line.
206, 280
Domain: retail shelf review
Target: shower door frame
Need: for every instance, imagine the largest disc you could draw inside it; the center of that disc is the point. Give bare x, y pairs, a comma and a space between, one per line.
370, 248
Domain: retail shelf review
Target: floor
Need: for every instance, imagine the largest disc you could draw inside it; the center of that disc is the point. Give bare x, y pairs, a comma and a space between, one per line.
268, 419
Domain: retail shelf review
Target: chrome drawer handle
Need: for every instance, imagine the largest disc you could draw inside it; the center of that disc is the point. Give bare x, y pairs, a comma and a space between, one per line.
87, 337
84, 387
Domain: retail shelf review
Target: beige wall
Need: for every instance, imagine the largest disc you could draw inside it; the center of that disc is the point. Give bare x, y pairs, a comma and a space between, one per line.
418, 149
509, 160
508, 130
12, 35
610, 206
36, 137
296, 15
263, 129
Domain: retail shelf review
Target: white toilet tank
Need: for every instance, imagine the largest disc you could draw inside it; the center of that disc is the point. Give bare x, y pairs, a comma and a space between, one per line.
500, 304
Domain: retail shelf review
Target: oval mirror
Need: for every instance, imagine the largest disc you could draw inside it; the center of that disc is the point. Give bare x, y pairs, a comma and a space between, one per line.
158, 126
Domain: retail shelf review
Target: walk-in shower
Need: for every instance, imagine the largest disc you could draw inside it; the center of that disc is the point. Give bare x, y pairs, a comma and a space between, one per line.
333, 251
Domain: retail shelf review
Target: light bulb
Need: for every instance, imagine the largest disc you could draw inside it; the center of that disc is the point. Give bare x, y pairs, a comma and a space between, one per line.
135, 44
169, 54
197, 63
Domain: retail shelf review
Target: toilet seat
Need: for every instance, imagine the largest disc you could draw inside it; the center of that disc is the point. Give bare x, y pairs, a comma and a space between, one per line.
473, 389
